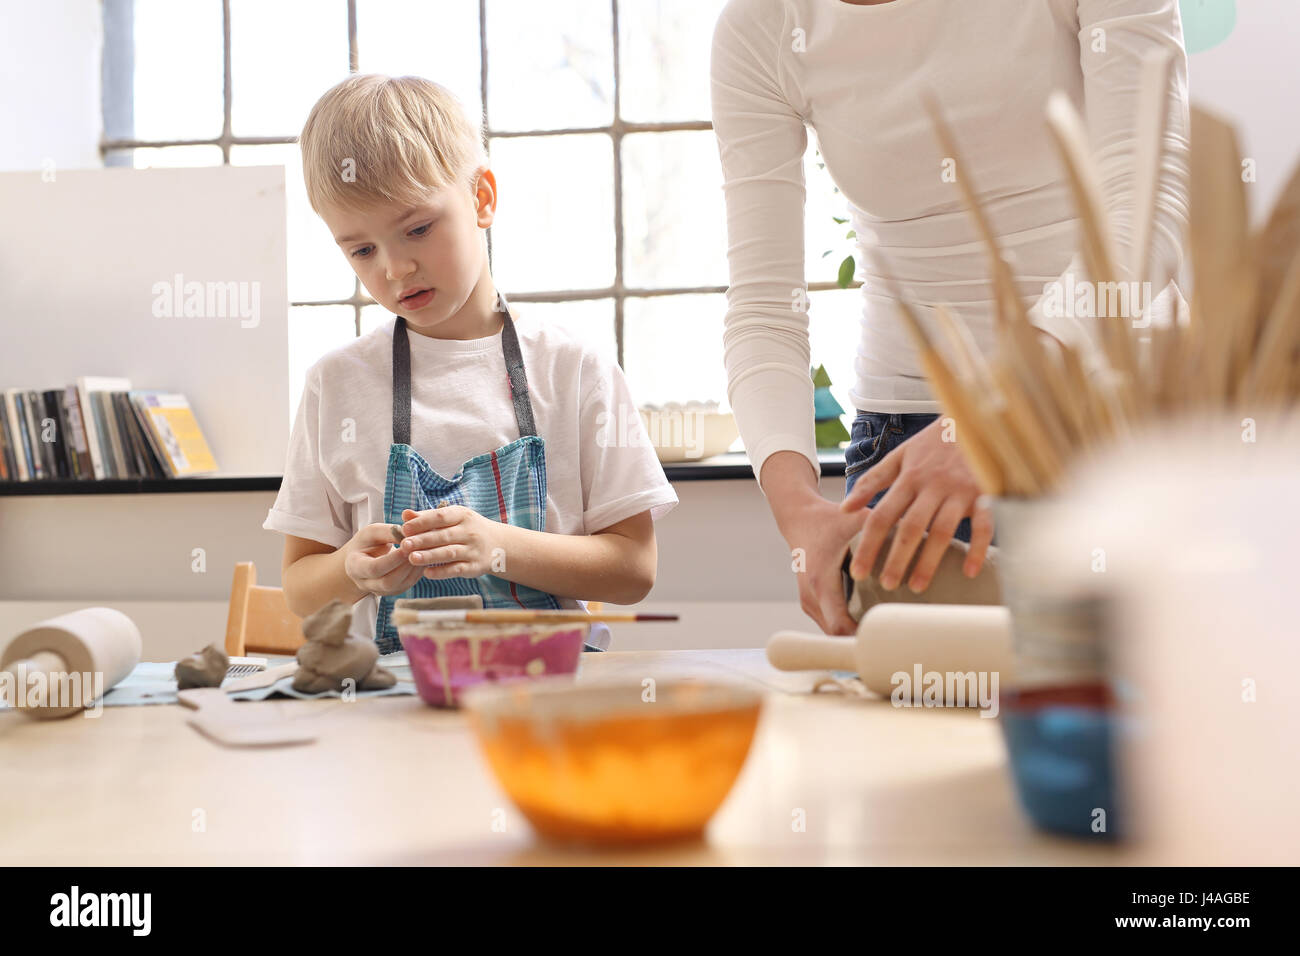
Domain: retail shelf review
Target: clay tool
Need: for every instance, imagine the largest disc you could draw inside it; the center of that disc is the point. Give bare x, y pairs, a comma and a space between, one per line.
240, 725
896, 639
1278, 243
1016, 334
1278, 246
263, 678
1279, 341
239, 666
953, 396
1027, 414
1223, 257
1071, 139
401, 616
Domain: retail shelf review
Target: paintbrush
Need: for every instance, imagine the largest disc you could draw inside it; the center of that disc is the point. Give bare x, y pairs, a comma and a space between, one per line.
1278, 303
972, 372
952, 396
1279, 340
1042, 386
1226, 270
511, 616
1070, 137
1278, 243
1152, 116
1024, 417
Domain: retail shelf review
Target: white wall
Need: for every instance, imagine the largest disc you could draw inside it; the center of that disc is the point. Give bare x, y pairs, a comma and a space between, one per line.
1253, 78
50, 54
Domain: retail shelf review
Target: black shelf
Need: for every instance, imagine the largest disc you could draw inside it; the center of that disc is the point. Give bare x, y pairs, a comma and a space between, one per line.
721, 468
140, 486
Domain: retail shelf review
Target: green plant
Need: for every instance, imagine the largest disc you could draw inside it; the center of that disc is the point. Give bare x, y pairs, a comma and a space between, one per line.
848, 265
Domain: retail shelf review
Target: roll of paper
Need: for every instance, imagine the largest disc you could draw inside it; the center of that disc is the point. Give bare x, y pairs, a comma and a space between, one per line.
62, 665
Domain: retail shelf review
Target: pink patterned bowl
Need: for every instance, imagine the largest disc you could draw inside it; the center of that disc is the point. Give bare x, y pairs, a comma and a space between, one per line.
448, 657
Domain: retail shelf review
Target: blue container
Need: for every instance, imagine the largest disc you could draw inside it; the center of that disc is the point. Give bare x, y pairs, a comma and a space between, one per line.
1063, 762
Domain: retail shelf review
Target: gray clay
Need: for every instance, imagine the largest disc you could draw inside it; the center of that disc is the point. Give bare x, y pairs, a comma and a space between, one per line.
948, 585
331, 656
205, 668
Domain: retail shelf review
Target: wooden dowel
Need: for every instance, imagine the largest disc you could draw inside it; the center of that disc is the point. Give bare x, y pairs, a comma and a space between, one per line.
1070, 137
955, 402
1223, 308
1036, 445
1278, 244
1270, 373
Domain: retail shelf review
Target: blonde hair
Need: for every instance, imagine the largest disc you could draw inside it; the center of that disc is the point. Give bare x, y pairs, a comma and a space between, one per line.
374, 139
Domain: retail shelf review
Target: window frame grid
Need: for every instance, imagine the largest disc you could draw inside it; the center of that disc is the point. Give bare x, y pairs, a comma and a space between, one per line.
617, 129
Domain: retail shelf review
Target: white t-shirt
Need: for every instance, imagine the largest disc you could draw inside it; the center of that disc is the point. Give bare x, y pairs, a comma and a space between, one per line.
856, 75
600, 466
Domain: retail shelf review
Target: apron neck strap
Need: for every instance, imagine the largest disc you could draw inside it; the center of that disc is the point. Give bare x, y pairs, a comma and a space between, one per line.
514, 372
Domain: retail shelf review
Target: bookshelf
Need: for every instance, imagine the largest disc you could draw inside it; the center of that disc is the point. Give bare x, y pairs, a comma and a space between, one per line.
140, 486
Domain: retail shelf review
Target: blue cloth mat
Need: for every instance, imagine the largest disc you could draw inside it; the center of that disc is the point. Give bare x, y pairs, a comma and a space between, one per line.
155, 683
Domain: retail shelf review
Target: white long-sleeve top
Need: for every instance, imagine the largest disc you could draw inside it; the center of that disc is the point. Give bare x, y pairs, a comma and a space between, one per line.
857, 76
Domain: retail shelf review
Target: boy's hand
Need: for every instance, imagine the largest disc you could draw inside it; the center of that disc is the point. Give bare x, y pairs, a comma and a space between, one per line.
458, 541
375, 565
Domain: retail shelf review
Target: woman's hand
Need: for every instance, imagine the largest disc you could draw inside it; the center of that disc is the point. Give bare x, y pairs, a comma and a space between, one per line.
458, 540
930, 487
818, 534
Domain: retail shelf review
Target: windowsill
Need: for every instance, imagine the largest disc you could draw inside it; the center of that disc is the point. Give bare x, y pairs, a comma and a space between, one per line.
735, 465
730, 467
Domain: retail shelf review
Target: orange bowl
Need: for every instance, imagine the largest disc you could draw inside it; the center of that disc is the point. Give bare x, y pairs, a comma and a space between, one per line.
599, 763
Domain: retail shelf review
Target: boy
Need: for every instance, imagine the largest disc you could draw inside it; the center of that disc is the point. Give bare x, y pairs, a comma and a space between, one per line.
488, 440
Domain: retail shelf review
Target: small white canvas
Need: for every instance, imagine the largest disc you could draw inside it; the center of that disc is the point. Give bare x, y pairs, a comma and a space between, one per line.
172, 278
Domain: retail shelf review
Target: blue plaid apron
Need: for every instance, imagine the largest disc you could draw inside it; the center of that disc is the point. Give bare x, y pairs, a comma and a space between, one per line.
506, 485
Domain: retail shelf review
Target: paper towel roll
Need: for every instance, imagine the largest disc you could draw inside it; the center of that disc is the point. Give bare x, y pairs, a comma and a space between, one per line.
93, 640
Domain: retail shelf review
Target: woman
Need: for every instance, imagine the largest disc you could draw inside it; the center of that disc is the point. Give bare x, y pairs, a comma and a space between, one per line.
857, 72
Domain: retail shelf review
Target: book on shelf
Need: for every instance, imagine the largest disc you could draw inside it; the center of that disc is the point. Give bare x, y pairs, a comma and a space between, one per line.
171, 425
100, 428
89, 390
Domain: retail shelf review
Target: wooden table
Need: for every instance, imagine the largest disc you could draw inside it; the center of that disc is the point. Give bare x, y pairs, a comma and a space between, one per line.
391, 781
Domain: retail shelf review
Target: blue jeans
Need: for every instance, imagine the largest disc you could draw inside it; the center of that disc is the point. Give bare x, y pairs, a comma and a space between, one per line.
875, 435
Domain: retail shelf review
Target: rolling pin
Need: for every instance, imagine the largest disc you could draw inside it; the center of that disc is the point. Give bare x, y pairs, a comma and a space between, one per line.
93, 640
896, 638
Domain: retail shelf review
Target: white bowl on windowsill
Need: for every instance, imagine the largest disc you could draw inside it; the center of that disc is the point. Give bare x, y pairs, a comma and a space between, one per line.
689, 434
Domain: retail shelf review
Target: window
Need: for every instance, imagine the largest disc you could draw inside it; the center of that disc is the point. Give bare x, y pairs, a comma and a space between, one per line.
611, 219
